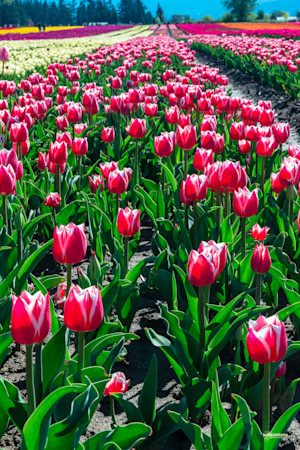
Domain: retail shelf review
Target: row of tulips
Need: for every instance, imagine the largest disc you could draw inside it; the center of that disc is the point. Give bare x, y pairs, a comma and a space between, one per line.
273, 61
131, 133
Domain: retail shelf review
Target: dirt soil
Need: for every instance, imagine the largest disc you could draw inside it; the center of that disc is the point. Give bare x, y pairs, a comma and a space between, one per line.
140, 352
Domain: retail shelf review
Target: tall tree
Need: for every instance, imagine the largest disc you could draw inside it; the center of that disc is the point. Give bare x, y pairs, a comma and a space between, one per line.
240, 9
160, 14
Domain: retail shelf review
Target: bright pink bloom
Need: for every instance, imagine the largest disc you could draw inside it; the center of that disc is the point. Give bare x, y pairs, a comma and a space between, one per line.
79, 146
96, 182
196, 187
202, 158
137, 128
163, 145
117, 181
83, 310
128, 221
245, 203
203, 268
58, 152
52, 200
108, 134
8, 180
30, 317
186, 137
266, 339
108, 167
69, 245
117, 384
281, 370
259, 233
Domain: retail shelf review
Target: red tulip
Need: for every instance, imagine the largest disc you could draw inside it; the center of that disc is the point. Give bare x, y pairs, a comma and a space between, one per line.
42, 161
79, 146
186, 137
163, 145
4, 54
137, 128
182, 195
58, 152
172, 115
83, 309
208, 140
79, 128
108, 134
266, 339
289, 172
96, 182
209, 123
108, 167
8, 180
184, 120
64, 137
117, 181
117, 384
251, 133
265, 146
196, 187
213, 247
128, 221
203, 268
267, 117
245, 203
151, 109
52, 200
261, 260
74, 112
18, 132
69, 245
237, 131
259, 233
276, 183
244, 146
202, 158
30, 317
229, 174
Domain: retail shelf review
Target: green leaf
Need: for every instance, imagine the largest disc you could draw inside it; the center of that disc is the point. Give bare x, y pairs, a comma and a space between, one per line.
247, 416
36, 428
192, 431
170, 177
54, 355
148, 393
232, 438
220, 420
198, 396
272, 440
30, 264
11, 406
125, 437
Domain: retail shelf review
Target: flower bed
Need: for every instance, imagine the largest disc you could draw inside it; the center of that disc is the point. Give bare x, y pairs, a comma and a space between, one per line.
132, 133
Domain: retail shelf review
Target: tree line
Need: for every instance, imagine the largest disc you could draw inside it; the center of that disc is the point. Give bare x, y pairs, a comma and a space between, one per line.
71, 12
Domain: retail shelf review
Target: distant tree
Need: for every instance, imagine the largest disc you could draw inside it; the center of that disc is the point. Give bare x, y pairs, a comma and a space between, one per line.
187, 19
260, 14
177, 18
227, 17
298, 14
207, 19
276, 14
160, 14
240, 9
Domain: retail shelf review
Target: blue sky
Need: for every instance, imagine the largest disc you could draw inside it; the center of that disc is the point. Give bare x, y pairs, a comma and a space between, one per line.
198, 9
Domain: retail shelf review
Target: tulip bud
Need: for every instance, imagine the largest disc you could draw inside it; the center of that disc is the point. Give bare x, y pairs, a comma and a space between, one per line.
94, 268
281, 370
291, 193
261, 260
19, 219
259, 233
83, 279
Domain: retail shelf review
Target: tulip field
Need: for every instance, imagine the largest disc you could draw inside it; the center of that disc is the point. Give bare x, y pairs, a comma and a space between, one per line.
150, 253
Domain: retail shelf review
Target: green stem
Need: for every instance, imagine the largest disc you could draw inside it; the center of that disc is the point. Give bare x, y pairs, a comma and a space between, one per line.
136, 164
69, 278
79, 169
4, 211
226, 203
73, 131
258, 293
266, 399
291, 212
201, 319
107, 151
126, 255
218, 203
186, 217
38, 373
195, 211
243, 241
263, 165
58, 179
54, 216
112, 410
47, 180
19, 245
186, 161
29, 381
81, 339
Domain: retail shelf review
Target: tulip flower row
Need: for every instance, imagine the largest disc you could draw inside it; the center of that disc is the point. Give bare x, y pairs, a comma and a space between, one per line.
274, 61
96, 146
26, 57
